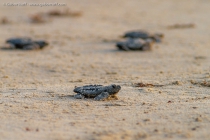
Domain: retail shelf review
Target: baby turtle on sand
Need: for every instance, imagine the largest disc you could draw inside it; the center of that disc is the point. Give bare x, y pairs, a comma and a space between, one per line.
144, 35
26, 43
135, 44
98, 92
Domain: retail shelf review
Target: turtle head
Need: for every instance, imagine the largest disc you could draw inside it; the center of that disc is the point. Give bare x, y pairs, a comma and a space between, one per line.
112, 89
41, 43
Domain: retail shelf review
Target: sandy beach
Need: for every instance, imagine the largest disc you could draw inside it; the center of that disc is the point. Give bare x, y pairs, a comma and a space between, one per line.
36, 87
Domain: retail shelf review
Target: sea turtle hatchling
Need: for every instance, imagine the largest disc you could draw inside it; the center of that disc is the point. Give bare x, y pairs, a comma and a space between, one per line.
26, 43
144, 35
135, 44
98, 92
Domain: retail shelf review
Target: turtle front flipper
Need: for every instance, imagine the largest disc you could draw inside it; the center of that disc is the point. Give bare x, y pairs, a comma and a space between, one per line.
102, 96
157, 37
122, 46
79, 96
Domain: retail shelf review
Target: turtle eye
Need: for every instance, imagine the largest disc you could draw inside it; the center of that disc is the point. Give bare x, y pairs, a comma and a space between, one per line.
114, 86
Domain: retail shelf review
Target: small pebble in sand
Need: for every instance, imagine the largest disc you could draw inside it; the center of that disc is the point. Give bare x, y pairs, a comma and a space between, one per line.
156, 130
170, 101
193, 129
181, 26
205, 83
28, 129
176, 83
4, 20
198, 119
147, 85
65, 12
138, 123
146, 120
38, 18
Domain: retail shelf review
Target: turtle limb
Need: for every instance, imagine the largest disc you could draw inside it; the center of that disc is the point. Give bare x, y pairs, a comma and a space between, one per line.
157, 38
122, 46
31, 47
79, 96
102, 96
125, 48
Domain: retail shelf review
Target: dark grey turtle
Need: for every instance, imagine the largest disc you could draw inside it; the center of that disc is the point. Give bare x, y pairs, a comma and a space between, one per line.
26, 43
98, 92
144, 35
135, 44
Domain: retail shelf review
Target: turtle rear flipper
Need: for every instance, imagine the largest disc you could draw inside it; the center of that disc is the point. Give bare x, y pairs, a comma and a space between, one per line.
122, 46
146, 47
79, 96
33, 46
157, 37
102, 96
